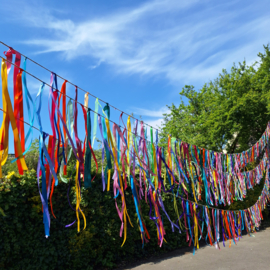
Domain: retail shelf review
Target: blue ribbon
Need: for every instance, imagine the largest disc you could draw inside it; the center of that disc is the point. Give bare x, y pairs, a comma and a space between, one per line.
135, 197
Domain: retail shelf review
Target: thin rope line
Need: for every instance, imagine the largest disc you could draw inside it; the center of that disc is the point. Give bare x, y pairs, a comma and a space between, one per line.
80, 87
22, 121
101, 100
169, 193
30, 125
210, 207
70, 97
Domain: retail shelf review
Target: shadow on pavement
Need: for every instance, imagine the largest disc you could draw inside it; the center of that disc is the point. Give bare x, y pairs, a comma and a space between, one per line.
175, 253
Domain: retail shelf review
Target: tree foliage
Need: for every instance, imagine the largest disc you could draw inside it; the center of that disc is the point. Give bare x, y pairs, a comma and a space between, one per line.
31, 159
229, 112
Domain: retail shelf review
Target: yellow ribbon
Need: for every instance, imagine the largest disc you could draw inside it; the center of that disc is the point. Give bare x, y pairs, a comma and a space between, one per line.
196, 240
86, 98
7, 107
78, 198
128, 142
109, 180
177, 212
125, 213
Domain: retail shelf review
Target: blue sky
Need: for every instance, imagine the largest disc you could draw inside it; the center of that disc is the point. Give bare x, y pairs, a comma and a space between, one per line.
136, 55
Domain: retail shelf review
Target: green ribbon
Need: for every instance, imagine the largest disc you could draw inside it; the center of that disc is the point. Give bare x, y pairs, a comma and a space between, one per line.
87, 162
106, 111
95, 122
70, 126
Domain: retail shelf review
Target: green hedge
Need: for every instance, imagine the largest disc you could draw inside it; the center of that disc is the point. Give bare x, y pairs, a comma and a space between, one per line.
23, 245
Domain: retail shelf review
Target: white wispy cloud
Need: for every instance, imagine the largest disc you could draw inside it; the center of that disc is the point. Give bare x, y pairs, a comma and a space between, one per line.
34, 85
179, 40
155, 123
96, 65
152, 117
151, 113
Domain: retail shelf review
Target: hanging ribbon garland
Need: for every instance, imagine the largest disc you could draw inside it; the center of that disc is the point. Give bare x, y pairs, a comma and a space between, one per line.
131, 158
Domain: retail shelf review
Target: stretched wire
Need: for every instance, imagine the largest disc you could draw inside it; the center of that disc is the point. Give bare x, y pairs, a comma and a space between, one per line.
69, 96
80, 87
89, 94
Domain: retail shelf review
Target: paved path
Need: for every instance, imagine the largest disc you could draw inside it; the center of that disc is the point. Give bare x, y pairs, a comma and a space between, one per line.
249, 253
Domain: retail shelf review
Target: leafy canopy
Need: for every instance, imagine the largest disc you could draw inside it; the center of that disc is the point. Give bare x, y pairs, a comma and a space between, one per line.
230, 112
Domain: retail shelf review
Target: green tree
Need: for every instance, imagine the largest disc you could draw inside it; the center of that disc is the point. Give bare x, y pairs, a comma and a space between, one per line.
31, 159
229, 112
